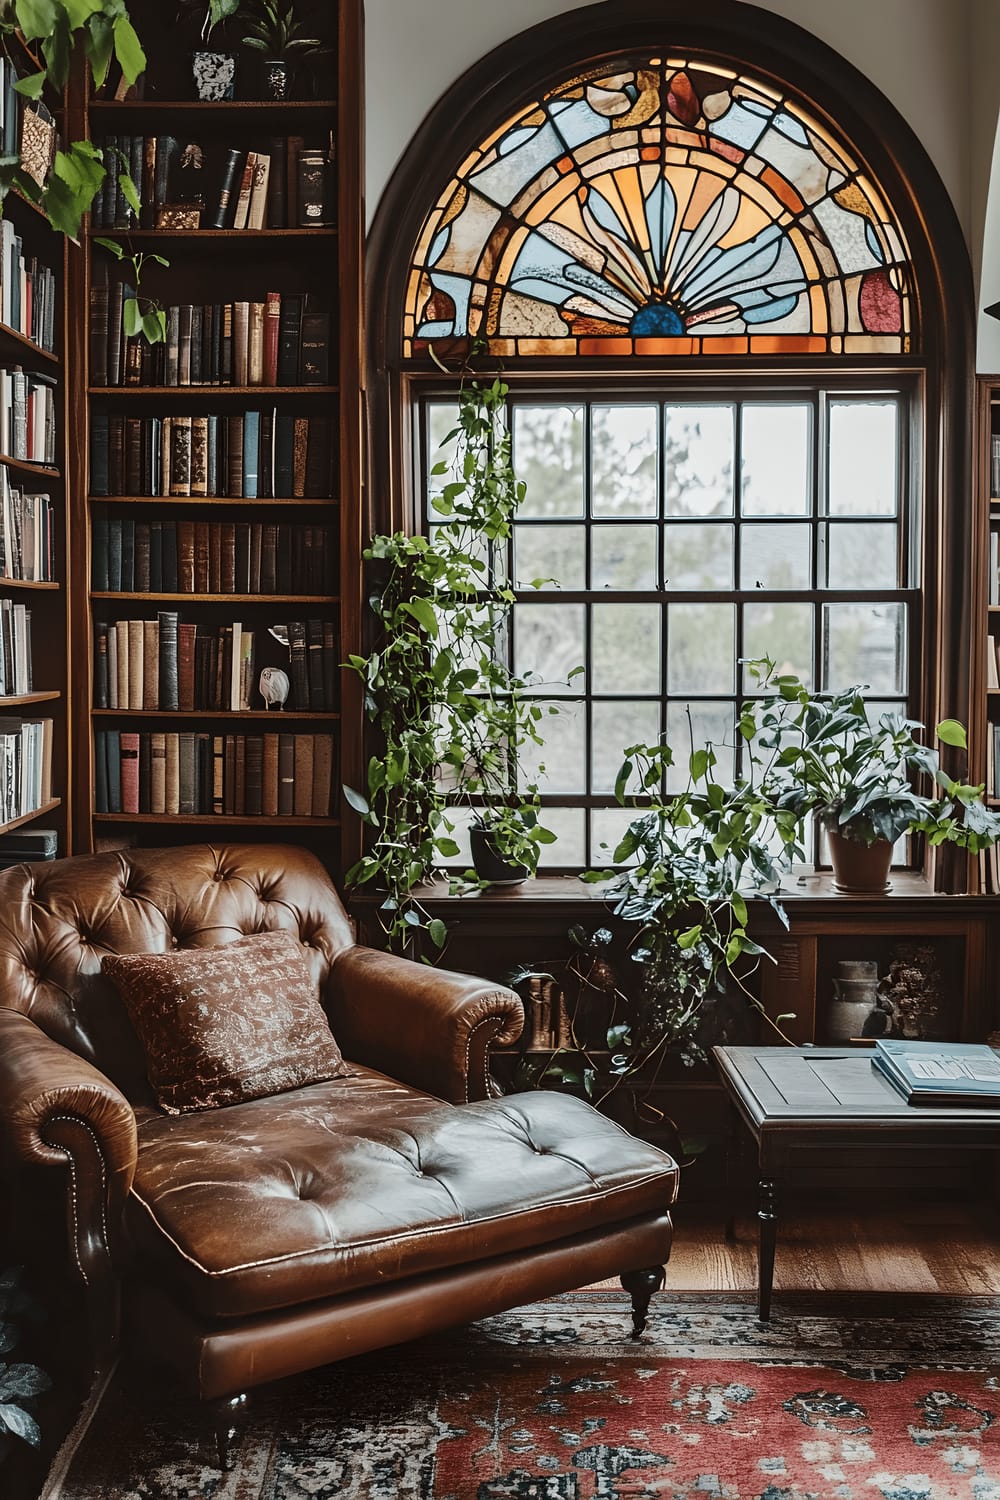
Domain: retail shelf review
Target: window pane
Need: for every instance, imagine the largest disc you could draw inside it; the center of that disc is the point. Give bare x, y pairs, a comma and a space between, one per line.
549, 643
698, 556
784, 632
548, 459
607, 829
864, 643
776, 460
442, 418
570, 849
700, 447
615, 726
555, 553
775, 557
709, 722
863, 458
624, 460
623, 557
701, 648
563, 753
625, 648
861, 556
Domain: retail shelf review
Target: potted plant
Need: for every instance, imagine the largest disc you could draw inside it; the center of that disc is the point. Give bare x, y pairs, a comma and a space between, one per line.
213, 69
452, 717
275, 33
862, 777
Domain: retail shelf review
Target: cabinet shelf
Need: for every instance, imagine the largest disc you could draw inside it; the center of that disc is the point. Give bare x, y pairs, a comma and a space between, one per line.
262, 599
25, 346
223, 109
18, 700
240, 819
44, 471
284, 716
39, 812
233, 237
212, 500
184, 392
29, 583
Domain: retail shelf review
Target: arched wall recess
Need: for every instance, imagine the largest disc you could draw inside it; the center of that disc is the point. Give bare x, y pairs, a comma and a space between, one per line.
836, 247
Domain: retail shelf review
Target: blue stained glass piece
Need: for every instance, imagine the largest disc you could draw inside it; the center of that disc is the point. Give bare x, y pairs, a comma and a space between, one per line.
503, 180
437, 246
789, 126
770, 311
657, 321
661, 211
743, 124
459, 289
738, 264
873, 242
436, 331
577, 122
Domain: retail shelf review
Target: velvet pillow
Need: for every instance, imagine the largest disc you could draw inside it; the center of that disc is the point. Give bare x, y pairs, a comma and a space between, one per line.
227, 1024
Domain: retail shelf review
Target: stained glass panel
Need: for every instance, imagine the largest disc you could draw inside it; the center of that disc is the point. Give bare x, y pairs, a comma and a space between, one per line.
666, 208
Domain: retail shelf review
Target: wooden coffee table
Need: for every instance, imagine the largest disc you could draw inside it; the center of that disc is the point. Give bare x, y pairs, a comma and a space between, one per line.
824, 1106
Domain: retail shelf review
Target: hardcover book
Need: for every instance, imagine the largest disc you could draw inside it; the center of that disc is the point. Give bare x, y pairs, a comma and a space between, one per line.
940, 1073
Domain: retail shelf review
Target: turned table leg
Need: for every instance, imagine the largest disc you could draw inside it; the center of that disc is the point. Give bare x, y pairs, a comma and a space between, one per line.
767, 1215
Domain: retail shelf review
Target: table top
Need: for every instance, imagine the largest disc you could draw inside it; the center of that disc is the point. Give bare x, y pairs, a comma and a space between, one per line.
834, 1087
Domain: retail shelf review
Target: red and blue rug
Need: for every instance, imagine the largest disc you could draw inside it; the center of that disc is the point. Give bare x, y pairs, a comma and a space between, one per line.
887, 1400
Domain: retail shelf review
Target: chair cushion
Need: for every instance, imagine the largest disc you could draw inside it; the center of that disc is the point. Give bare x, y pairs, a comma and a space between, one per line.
361, 1181
226, 1024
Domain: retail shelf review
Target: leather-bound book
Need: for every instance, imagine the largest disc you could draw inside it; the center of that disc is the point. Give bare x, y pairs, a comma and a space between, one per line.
251, 453
242, 210
187, 771
284, 580
180, 456
234, 664
113, 751
199, 456
322, 782
203, 752
212, 456
128, 554
99, 548
116, 298
302, 806
269, 558
157, 772
204, 672
248, 669
136, 666
129, 751
100, 771
167, 148
293, 147
289, 337
101, 664
166, 443
122, 662
269, 777
170, 574
112, 665
224, 209
214, 557
329, 666
218, 773
145, 762
184, 344
234, 456
277, 205
312, 190
254, 776
272, 322
314, 662
150, 664
172, 346
227, 557
284, 454
265, 462
240, 775
142, 569
147, 190
116, 454
224, 675
99, 454
209, 373
229, 776
186, 637
300, 448
185, 557
298, 667
286, 775
156, 557
99, 307
132, 361
226, 345
256, 545
241, 579
133, 455
241, 343
315, 348
195, 371
169, 627
201, 579
172, 775
318, 483
257, 216
255, 345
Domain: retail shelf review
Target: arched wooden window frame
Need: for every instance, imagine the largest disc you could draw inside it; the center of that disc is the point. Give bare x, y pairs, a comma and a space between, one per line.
776, 50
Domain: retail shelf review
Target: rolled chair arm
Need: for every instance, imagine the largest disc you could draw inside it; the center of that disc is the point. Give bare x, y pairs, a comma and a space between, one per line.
56, 1109
430, 1028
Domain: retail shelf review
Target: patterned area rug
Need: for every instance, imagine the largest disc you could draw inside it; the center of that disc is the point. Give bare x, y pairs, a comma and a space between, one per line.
554, 1402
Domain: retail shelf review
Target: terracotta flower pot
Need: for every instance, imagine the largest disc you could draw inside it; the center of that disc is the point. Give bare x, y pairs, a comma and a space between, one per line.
862, 869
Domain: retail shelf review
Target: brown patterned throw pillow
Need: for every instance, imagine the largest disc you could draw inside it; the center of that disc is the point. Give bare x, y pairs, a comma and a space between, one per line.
224, 1025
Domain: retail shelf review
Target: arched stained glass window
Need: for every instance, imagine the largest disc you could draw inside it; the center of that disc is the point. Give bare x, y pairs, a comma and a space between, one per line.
669, 207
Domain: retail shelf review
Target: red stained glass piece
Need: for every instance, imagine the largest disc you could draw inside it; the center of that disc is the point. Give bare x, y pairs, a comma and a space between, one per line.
682, 101
879, 304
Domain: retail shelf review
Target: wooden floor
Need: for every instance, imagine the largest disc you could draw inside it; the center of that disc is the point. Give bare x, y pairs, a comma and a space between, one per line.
951, 1248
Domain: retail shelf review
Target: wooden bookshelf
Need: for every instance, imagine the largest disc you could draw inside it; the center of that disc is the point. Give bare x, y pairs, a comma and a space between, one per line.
209, 267
984, 710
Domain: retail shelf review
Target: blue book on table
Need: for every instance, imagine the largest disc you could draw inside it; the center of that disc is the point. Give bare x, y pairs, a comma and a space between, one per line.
941, 1073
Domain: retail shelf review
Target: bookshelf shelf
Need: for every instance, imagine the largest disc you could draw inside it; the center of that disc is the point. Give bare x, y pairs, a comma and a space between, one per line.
18, 700
213, 500
240, 819
232, 110
232, 237
29, 583
262, 599
39, 812
175, 392
261, 714
11, 338
24, 466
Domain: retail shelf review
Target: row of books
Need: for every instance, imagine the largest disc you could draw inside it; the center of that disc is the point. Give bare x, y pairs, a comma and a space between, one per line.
281, 339
287, 183
27, 416
248, 455
28, 290
25, 766
27, 533
225, 775
211, 557
169, 663
15, 649
993, 761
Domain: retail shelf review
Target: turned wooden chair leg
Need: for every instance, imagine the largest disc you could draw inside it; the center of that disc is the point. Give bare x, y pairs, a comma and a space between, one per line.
225, 1415
640, 1286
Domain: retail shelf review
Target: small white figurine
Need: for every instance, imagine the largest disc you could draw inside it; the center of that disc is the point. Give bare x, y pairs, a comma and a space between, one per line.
274, 686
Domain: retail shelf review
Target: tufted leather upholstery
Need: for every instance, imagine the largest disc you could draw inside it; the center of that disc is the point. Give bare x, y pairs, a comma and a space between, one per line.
273, 1223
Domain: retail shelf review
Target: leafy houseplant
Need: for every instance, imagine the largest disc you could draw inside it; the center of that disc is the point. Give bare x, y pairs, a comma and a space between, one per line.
453, 718
19, 1382
861, 778
276, 34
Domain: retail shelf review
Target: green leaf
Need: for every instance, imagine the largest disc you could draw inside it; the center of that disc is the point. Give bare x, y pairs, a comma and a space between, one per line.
129, 192
36, 18
131, 316
354, 799
118, 251
424, 613
31, 87
437, 932
128, 48
951, 732
739, 909
688, 939
99, 46
699, 764
447, 848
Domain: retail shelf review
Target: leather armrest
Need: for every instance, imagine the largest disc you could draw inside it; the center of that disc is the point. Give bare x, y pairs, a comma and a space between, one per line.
56, 1109
430, 1028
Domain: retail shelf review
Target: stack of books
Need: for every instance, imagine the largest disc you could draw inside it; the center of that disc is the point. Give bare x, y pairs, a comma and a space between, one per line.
27, 846
940, 1073
211, 557
15, 649
27, 533
28, 416
25, 766
28, 290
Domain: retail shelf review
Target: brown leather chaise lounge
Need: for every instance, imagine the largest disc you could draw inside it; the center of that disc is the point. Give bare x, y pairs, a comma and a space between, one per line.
266, 1238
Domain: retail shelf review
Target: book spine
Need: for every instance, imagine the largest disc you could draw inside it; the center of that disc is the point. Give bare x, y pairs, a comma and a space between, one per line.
222, 214
286, 775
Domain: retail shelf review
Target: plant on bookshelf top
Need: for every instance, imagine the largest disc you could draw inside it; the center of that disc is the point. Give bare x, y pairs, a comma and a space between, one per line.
828, 757
100, 29
452, 716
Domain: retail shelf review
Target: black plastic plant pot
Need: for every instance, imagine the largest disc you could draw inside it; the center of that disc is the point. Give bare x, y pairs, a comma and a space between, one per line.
490, 863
